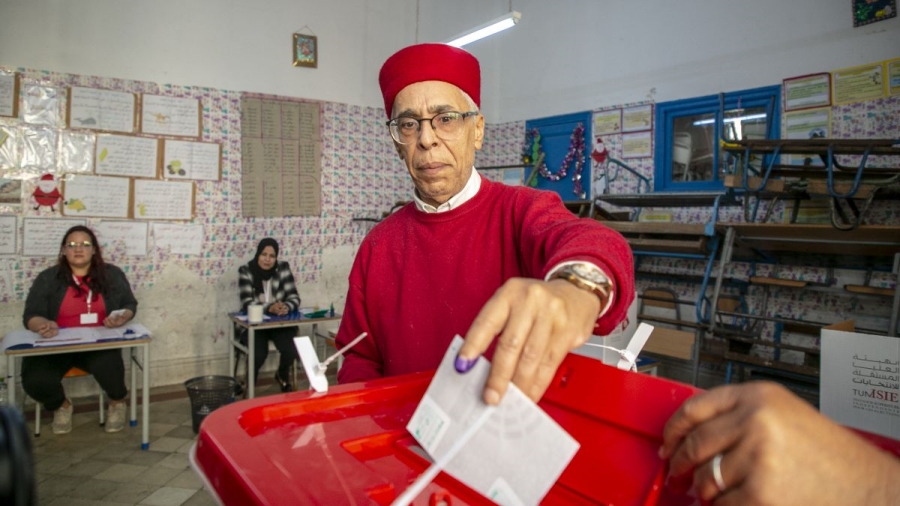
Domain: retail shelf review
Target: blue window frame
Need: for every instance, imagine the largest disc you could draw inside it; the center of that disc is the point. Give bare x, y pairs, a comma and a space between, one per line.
688, 154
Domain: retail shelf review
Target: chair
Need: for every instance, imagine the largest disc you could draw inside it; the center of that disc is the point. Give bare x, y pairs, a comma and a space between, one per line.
681, 155
73, 373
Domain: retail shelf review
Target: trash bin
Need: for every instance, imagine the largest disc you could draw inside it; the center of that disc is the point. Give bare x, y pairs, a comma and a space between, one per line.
208, 393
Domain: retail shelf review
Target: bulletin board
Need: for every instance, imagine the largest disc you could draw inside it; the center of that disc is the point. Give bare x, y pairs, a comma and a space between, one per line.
163, 200
9, 94
41, 237
175, 116
127, 155
8, 229
104, 110
96, 196
201, 161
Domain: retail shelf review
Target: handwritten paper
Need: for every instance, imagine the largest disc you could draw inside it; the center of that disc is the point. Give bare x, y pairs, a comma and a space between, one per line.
179, 239
280, 157
42, 237
201, 161
171, 116
8, 232
163, 200
9, 96
860, 381
96, 196
133, 234
124, 155
112, 111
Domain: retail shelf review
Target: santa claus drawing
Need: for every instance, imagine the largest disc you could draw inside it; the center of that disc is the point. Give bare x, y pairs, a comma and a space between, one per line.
46, 194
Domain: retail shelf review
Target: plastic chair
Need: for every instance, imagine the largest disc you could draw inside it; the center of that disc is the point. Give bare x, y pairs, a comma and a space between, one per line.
73, 373
681, 155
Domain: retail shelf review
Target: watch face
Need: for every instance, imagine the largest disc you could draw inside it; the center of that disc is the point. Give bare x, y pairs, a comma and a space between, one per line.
589, 273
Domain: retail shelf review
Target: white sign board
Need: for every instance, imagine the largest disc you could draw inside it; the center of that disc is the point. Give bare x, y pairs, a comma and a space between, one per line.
860, 381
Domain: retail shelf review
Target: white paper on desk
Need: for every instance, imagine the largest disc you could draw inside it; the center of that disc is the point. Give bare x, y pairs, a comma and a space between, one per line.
71, 336
243, 317
18, 337
514, 459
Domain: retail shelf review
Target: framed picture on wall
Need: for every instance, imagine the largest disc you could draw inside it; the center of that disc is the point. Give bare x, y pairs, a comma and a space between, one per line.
306, 50
807, 92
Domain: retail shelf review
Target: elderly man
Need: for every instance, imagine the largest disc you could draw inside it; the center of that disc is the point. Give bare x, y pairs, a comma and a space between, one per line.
470, 256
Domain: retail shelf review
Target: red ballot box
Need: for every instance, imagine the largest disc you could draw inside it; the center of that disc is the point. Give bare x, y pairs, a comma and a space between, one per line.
350, 446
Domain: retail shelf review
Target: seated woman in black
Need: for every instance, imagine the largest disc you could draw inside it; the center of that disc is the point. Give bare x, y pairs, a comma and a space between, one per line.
267, 281
80, 291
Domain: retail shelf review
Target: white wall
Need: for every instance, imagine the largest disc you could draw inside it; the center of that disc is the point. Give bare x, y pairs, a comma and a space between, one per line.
563, 57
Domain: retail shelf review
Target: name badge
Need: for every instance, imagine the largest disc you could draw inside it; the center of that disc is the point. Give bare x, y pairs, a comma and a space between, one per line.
88, 318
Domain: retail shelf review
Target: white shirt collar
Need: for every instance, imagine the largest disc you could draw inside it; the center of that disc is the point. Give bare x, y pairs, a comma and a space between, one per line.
469, 190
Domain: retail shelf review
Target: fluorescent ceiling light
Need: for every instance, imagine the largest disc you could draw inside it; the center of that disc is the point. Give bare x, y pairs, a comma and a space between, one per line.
491, 27
730, 120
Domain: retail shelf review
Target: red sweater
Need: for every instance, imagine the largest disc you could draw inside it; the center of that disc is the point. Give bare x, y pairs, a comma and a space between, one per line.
419, 278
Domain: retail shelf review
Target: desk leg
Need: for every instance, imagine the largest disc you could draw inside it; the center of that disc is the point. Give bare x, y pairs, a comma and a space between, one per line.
145, 399
230, 349
132, 352
251, 360
315, 336
11, 379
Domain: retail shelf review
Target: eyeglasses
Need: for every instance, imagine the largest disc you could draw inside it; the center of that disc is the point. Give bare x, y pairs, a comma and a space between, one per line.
446, 125
76, 245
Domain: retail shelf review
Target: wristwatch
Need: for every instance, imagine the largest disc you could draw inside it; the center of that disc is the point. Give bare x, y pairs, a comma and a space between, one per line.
587, 277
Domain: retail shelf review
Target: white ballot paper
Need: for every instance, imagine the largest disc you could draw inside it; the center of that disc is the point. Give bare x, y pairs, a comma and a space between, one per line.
514, 458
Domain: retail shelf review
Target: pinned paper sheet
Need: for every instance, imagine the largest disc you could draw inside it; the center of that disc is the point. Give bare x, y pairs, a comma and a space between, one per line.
514, 459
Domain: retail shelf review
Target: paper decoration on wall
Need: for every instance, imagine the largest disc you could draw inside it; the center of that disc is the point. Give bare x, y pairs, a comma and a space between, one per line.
9, 94
10, 193
636, 119
280, 158
100, 196
176, 116
46, 196
9, 143
41, 106
111, 111
180, 239
192, 160
8, 232
126, 155
856, 84
76, 152
41, 237
163, 200
133, 234
37, 148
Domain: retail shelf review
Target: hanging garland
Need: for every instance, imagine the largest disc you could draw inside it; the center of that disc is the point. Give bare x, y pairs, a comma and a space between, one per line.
531, 152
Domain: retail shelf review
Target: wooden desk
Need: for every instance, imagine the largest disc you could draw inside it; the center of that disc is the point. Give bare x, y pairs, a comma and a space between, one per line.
289, 320
131, 344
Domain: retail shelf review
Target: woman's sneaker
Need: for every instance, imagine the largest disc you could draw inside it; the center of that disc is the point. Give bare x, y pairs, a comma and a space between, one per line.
115, 420
62, 419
